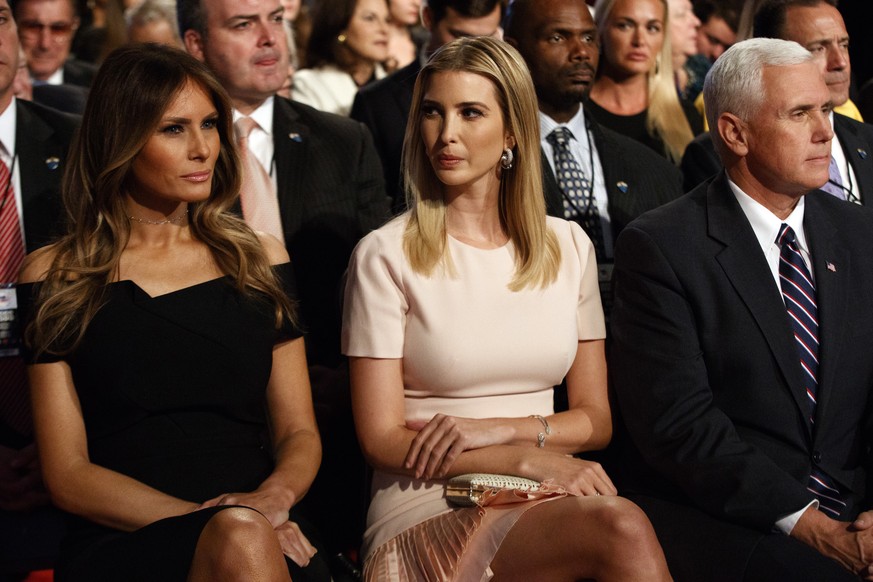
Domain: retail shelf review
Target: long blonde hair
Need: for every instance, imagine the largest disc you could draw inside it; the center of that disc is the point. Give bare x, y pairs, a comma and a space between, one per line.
521, 204
126, 102
665, 117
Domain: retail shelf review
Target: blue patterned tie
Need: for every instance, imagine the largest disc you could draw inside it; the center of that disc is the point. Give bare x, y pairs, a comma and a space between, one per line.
579, 202
834, 185
798, 291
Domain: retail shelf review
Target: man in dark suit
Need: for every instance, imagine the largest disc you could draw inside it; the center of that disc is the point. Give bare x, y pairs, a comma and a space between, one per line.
818, 26
558, 40
33, 147
741, 335
328, 192
46, 28
384, 106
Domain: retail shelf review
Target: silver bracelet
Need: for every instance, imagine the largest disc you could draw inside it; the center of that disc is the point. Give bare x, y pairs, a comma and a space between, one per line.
547, 430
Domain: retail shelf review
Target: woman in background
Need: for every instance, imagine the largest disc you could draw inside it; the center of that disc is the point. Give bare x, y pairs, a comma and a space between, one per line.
635, 93
347, 46
170, 393
404, 33
460, 316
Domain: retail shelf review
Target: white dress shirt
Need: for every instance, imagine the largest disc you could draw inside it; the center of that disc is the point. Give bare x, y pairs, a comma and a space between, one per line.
261, 138
766, 227
8, 123
585, 151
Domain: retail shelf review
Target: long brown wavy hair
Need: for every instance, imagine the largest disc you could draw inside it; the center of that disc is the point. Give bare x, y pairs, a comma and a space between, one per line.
127, 100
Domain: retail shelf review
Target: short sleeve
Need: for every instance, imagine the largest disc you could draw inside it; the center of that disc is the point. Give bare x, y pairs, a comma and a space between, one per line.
27, 296
589, 310
375, 306
285, 273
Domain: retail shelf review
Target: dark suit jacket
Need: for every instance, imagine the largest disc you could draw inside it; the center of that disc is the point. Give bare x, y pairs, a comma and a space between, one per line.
636, 178
331, 194
705, 367
64, 97
79, 73
700, 161
384, 108
42, 137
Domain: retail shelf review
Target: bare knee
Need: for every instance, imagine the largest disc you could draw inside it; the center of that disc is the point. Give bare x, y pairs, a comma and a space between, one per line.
626, 530
235, 543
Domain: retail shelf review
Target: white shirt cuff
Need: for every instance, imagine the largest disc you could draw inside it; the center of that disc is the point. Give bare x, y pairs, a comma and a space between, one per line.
787, 523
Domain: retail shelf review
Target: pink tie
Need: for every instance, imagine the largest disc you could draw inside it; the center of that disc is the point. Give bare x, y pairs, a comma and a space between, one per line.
14, 405
260, 205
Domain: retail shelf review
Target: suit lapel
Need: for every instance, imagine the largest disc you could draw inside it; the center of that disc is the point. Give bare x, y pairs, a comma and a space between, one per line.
291, 139
36, 163
858, 154
406, 87
832, 270
745, 266
551, 191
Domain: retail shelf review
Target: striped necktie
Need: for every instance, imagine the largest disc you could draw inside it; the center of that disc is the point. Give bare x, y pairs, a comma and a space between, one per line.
798, 291
14, 403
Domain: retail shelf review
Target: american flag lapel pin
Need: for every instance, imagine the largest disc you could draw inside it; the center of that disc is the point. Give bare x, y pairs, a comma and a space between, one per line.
831, 267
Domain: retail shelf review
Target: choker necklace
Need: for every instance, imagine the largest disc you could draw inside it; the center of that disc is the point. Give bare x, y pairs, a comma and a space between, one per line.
173, 220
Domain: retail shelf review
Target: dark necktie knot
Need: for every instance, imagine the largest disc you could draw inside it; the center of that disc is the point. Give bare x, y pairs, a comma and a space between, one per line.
560, 136
786, 236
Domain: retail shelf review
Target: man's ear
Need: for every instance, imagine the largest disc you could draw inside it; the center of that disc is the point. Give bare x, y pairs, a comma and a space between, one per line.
427, 18
734, 133
194, 44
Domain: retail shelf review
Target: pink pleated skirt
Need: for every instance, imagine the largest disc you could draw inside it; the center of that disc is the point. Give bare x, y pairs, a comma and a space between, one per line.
456, 546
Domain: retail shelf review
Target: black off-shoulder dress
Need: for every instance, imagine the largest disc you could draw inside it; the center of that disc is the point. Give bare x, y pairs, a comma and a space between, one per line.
172, 390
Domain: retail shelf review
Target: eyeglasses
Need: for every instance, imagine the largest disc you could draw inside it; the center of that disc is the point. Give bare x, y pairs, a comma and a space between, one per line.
58, 31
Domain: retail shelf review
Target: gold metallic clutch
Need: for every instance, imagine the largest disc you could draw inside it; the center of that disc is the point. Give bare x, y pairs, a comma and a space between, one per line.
467, 490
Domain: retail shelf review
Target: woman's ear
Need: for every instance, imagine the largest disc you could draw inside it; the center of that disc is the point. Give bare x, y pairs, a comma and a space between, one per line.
509, 142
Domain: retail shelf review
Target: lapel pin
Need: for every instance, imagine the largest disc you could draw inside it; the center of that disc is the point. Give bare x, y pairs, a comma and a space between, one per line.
863, 153
295, 137
831, 267
622, 186
52, 163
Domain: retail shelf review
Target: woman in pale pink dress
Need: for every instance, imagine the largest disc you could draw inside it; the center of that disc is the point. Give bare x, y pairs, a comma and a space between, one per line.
460, 316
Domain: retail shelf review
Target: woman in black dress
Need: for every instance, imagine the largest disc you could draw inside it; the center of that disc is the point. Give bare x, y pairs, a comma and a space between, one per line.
171, 399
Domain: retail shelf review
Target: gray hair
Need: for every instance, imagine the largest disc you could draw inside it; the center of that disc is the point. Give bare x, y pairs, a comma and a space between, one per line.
148, 11
734, 83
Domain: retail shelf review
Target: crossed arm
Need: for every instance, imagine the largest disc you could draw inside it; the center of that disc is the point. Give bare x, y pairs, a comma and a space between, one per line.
448, 445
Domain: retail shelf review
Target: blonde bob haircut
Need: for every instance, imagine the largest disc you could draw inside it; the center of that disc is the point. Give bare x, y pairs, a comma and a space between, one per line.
521, 204
665, 117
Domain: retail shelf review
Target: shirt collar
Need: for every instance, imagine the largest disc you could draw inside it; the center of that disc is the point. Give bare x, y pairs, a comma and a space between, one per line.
7, 129
765, 224
263, 115
576, 124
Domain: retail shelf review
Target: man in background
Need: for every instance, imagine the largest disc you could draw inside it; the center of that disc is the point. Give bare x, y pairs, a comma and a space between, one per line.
384, 106
33, 148
314, 181
46, 29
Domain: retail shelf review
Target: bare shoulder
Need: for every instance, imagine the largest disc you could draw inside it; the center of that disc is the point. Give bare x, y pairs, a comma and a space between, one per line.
275, 250
37, 264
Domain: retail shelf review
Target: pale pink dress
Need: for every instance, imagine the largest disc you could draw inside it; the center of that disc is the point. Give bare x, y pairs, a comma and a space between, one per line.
471, 348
